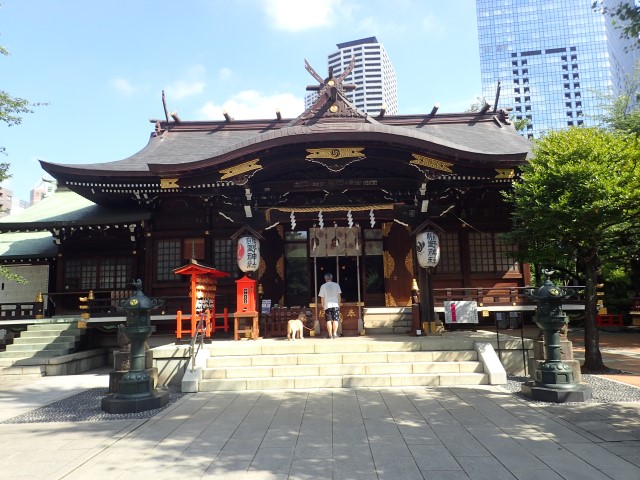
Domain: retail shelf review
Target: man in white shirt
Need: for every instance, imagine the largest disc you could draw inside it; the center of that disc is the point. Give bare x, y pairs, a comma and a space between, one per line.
331, 296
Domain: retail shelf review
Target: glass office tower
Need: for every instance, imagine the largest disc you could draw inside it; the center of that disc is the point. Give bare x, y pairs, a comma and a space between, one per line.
554, 59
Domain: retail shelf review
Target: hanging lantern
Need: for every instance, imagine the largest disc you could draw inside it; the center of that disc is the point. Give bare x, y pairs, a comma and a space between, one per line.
248, 254
428, 249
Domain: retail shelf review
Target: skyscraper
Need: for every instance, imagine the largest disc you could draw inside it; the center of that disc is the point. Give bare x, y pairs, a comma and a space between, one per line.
554, 59
373, 74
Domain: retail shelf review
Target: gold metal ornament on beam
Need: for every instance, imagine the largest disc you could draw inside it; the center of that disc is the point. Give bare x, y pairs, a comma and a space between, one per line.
428, 162
505, 173
166, 183
335, 153
245, 169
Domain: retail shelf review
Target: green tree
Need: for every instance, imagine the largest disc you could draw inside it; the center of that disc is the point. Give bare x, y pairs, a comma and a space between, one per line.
578, 203
11, 111
621, 110
625, 16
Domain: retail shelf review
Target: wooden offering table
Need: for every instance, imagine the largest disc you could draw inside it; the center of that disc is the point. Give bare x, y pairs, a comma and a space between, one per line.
349, 316
246, 318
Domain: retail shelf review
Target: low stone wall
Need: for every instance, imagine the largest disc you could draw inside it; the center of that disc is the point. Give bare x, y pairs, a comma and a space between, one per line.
171, 362
75, 363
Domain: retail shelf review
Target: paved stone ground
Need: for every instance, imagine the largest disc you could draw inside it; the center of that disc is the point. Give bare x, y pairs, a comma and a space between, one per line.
416, 433
53, 428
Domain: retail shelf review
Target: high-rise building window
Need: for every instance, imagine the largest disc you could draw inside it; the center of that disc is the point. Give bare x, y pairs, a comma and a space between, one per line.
373, 69
551, 35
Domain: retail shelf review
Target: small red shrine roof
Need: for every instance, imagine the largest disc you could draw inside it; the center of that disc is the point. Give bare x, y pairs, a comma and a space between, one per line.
195, 268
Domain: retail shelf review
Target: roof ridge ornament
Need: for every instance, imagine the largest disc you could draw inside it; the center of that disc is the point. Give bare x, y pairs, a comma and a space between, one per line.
331, 101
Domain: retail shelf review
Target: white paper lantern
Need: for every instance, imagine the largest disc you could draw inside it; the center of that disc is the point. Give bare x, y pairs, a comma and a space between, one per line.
428, 249
248, 254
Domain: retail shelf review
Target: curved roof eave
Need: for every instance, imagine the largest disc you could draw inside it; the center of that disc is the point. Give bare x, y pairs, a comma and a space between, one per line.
324, 132
499, 144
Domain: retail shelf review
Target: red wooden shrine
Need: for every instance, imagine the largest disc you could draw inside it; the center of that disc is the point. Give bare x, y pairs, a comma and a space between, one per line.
204, 282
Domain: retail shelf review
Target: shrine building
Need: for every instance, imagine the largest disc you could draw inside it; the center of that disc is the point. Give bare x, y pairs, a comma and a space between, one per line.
332, 190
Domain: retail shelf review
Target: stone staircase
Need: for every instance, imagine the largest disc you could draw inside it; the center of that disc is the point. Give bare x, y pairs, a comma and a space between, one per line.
381, 320
348, 362
13, 375
40, 342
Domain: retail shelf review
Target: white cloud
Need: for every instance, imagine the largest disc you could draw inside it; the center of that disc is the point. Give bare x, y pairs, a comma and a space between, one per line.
123, 86
193, 85
183, 89
251, 104
300, 15
225, 73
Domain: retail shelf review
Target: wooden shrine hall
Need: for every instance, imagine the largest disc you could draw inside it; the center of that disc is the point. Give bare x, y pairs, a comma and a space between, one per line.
332, 190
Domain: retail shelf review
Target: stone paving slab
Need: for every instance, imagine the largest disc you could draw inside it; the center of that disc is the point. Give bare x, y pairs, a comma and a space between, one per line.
483, 432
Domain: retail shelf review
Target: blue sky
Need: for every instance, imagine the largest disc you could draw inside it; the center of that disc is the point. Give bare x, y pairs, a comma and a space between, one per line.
102, 66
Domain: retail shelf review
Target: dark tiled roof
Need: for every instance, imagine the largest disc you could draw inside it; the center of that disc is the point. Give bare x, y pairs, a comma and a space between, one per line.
27, 245
195, 144
66, 208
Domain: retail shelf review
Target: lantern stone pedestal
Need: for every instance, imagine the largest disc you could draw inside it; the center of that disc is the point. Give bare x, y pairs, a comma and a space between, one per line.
554, 380
135, 392
122, 364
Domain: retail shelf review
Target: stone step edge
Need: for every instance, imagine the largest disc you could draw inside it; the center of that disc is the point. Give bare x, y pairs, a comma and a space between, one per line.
57, 360
235, 368
47, 340
348, 381
22, 370
276, 356
41, 346
255, 372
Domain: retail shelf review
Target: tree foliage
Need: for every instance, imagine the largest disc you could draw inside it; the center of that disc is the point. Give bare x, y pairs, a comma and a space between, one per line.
12, 110
621, 108
578, 204
625, 16
9, 275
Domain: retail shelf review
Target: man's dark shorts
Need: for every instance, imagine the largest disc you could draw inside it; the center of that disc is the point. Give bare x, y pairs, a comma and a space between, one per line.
332, 314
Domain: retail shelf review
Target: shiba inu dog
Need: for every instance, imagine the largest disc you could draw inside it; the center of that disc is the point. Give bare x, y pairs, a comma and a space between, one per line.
295, 328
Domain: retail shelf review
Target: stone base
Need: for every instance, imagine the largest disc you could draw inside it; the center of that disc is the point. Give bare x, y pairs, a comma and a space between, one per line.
133, 404
578, 393
115, 377
535, 365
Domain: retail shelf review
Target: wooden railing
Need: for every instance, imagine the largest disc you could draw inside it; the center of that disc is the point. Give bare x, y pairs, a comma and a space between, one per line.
275, 322
105, 303
17, 310
495, 296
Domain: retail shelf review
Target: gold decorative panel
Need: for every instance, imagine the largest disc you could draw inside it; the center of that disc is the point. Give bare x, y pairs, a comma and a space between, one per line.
389, 264
280, 266
335, 153
389, 301
408, 262
428, 162
169, 183
505, 173
335, 159
242, 169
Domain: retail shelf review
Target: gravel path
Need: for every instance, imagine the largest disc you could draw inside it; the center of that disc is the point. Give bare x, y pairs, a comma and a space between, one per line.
604, 390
